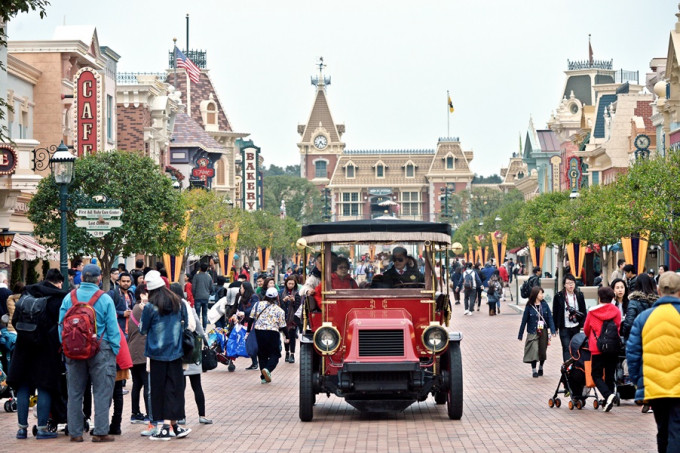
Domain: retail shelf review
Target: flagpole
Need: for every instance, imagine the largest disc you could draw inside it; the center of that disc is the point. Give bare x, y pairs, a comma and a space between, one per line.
174, 60
448, 115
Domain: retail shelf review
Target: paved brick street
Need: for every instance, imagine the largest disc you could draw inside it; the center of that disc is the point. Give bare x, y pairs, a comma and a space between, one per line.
505, 410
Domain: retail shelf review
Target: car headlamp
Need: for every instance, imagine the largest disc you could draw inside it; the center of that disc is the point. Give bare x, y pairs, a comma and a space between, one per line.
327, 339
435, 338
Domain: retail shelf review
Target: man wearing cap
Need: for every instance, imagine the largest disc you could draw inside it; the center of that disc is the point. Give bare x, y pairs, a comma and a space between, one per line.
653, 354
400, 274
101, 369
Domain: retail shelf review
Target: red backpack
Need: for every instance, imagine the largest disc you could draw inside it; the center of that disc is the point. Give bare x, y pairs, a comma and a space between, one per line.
79, 329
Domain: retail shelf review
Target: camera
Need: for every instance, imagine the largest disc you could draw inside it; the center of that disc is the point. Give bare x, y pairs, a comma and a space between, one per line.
574, 315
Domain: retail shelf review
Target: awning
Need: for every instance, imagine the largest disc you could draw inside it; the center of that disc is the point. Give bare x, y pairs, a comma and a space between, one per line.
25, 247
519, 251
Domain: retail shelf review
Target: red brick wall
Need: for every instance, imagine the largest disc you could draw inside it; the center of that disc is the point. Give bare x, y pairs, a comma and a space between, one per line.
644, 110
131, 123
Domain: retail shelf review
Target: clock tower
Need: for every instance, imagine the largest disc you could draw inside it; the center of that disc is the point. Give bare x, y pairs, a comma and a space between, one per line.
320, 139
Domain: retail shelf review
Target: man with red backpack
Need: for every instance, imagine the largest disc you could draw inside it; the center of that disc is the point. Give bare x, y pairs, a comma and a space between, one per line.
90, 340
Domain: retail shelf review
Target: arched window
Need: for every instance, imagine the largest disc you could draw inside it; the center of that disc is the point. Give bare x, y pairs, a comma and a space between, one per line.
320, 169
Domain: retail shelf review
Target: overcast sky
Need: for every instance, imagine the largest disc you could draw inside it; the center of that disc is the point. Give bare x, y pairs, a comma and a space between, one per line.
391, 62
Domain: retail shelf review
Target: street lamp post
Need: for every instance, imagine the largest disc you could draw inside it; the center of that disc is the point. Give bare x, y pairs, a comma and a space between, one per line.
326, 205
62, 163
446, 190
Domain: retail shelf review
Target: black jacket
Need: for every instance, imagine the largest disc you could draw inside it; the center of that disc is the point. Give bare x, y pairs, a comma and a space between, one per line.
559, 304
637, 303
411, 275
40, 365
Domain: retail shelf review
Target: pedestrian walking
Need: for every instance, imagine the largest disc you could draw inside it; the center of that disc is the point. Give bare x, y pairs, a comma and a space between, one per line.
136, 344
642, 298
493, 294
569, 312
603, 362
193, 370
268, 319
653, 359
469, 284
99, 368
456, 282
246, 303
163, 320
290, 302
36, 362
201, 286
620, 295
537, 319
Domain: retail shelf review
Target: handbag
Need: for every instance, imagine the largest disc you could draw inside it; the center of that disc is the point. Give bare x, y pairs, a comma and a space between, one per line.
251, 340
209, 359
191, 345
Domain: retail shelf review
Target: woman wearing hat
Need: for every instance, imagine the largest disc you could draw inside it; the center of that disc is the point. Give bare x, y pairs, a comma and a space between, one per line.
268, 319
163, 321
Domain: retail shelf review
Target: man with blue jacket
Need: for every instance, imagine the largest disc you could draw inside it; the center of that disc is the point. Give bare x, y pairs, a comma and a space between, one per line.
101, 369
653, 353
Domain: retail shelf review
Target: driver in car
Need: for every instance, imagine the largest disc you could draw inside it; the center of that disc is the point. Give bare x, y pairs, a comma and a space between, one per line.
401, 274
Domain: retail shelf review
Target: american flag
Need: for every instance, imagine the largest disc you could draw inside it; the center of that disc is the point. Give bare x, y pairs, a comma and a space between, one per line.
181, 61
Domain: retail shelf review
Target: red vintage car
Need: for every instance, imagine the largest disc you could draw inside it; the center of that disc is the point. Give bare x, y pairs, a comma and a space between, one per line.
378, 336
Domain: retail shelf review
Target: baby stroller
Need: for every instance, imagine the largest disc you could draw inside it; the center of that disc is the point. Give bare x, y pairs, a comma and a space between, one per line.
575, 380
218, 338
7, 341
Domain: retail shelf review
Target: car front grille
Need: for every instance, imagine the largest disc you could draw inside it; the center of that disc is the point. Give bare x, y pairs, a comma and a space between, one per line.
374, 343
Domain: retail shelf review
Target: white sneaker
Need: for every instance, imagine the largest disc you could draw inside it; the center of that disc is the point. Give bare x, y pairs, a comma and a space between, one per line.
610, 402
467, 312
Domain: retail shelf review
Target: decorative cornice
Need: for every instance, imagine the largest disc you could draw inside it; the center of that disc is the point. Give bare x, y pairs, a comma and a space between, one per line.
22, 70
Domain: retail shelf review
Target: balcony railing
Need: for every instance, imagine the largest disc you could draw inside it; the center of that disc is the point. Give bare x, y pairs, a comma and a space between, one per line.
199, 57
130, 78
623, 76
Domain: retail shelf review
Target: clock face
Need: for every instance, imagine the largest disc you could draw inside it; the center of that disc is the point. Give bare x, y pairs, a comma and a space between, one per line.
320, 141
642, 142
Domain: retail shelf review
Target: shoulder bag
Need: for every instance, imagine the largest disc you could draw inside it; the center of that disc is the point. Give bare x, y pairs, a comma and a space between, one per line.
251, 341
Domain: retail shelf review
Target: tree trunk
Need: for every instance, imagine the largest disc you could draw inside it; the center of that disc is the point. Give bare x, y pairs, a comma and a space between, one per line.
560, 266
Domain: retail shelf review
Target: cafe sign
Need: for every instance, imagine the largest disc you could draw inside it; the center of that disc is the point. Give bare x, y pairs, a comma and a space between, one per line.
8, 159
87, 93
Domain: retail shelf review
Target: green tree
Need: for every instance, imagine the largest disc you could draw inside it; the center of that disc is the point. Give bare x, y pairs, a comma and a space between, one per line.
9, 9
153, 215
303, 199
211, 221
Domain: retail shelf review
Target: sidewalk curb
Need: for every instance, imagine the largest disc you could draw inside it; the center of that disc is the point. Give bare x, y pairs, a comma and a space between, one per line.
517, 308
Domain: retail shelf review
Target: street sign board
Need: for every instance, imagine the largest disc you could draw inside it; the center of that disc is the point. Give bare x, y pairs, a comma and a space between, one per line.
96, 213
92, 224
98, 233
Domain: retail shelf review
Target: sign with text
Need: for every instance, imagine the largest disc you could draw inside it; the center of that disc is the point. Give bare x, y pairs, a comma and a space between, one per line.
249, 167
97, 213
92, 224
87, 93
203, 170
8, 159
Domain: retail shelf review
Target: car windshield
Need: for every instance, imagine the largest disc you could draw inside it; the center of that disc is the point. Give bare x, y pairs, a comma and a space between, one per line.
378, 265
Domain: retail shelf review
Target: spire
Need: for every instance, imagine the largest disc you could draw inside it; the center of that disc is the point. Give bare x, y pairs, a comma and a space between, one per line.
320, 81
590, 51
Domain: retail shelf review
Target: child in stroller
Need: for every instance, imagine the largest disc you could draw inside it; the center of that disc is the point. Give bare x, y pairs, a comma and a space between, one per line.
229, 343
575, 379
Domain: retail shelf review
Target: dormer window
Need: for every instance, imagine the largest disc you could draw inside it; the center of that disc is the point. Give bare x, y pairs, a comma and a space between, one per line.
212, 113
449, 162
349, 171
380, 171
410, 170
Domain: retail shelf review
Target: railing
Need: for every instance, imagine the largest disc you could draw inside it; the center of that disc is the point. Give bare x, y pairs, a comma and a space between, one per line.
623, 76
130, 78
587, 64
198, 57
449, 139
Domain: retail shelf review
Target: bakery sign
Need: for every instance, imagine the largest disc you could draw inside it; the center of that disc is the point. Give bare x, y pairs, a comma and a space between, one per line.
249, 168
8, 159
87, 93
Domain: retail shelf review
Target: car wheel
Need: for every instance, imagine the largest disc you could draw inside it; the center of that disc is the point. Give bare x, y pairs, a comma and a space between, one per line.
307, 395
454, 401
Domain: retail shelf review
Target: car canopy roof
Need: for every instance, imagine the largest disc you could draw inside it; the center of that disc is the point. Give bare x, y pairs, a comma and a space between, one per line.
377, 231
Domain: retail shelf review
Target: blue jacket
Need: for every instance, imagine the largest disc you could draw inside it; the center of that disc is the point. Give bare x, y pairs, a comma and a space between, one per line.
653, 350
105, 311
456, 279
163, 333
530, 319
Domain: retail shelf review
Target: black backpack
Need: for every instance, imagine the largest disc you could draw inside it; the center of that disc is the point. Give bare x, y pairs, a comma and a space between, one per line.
525, 289
468, 280
609, 341
492, 288
27, 313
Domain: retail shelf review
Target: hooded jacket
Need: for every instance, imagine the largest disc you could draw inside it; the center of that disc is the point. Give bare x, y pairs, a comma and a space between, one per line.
597, 315
637, 303
653, 349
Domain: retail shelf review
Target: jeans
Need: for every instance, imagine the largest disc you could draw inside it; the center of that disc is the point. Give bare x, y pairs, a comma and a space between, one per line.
469, 299
139, 383
667, 417
606, 363
566, 334
44, 404
201, 306
102, 371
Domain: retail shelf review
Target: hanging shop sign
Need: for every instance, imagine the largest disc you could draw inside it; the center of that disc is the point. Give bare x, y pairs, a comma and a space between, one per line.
87, 94
250, 176
8, 159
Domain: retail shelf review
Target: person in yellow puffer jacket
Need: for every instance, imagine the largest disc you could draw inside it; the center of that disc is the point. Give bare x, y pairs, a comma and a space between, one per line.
653, 354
